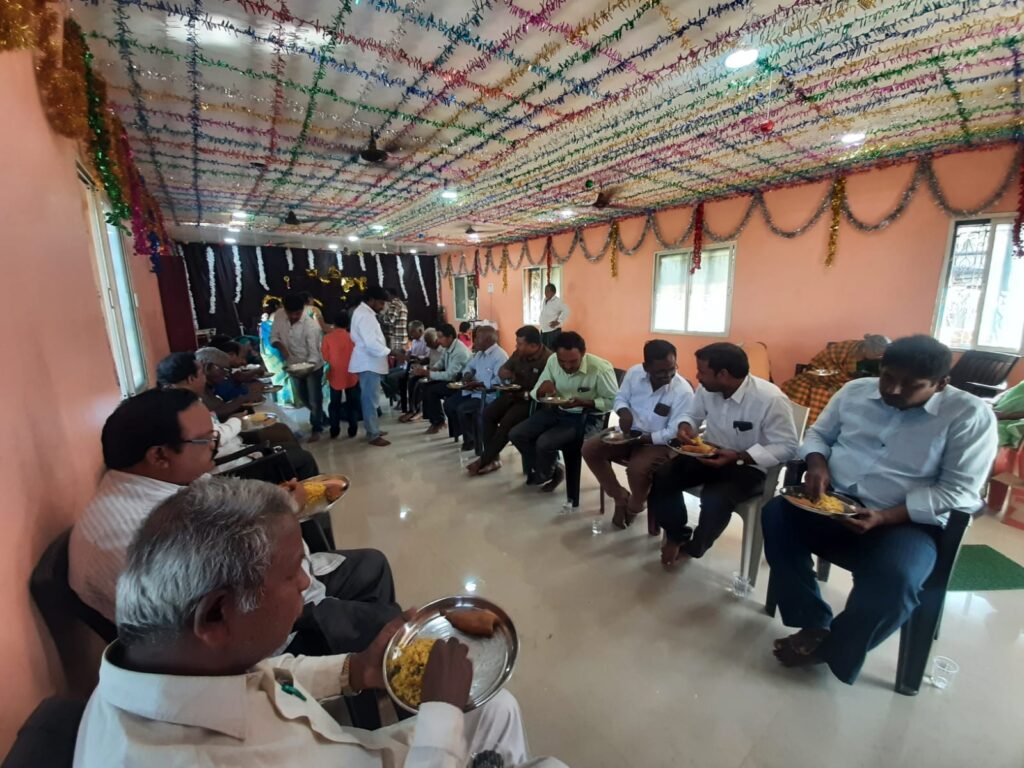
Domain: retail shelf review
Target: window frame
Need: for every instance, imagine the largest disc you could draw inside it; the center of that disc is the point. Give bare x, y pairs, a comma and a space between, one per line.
940, 301
455, 301
116, 315
556, 275
731, 246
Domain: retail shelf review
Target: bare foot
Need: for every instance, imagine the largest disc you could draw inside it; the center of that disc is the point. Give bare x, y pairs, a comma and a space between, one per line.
433, 429
473, 467
380, 442
621, 518
672, 552
494, 466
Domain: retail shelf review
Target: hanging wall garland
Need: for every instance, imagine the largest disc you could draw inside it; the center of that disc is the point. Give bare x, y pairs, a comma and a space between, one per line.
238, 273
310, 260
291, 259
400, 268
210, 270
380, 270
262, 271
188, 286
419, 274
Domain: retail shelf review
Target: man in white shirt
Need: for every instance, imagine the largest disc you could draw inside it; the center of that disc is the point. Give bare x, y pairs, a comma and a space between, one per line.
749, 422
370, 359
553, 316
653, 399
910, 448
298, 337
213, 584
479, 378
162, 440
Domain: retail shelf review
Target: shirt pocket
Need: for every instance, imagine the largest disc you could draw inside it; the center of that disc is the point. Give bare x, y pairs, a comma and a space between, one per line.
915, 452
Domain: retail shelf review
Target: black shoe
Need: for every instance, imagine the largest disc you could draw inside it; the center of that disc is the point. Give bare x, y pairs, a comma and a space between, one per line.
352, 431
335, 431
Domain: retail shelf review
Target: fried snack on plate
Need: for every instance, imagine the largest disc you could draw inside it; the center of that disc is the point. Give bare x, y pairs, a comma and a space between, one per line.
405, 673
698, 446
478, 622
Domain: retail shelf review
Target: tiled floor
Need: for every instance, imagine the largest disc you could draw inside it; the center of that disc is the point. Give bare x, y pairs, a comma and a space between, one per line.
623, 664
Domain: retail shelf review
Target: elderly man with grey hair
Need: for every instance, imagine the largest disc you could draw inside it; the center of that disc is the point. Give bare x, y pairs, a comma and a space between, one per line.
213, 584
216, 365
479, 377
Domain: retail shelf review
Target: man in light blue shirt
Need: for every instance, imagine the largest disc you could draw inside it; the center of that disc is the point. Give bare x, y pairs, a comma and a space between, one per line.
439, 376
910, 448
479, 377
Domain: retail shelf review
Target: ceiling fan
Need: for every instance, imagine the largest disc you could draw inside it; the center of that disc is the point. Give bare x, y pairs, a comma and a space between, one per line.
375, 155
473, 232
606, 196
292, 220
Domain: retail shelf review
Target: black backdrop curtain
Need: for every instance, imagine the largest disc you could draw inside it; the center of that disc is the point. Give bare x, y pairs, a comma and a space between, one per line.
326, 283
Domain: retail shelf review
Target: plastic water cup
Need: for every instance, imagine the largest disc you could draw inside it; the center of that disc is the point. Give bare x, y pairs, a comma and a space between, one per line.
741, 586
944, 669
596, 526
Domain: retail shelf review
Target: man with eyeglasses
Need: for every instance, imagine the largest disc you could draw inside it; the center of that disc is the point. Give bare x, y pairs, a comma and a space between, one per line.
162, 440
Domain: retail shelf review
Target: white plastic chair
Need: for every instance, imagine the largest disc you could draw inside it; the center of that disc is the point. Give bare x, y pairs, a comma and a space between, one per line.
750, 510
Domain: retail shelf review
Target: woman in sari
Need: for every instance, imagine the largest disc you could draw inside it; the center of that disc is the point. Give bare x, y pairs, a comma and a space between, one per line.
830, 369
1009, 410
273, 360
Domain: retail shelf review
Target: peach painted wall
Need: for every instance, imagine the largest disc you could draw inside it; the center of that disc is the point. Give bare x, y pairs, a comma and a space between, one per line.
885, 282
59, 381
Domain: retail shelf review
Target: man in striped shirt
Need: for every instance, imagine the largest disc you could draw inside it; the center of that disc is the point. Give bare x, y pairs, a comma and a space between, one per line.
156, 443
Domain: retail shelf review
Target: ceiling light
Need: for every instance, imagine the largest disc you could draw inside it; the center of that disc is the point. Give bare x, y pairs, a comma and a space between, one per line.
449, 194
234, 229
475, 238
377, 227
230, 240
241, 215
853, 137
744, 57
333, 246
413, 250
568, 213
440, 245
211, 30
353, 239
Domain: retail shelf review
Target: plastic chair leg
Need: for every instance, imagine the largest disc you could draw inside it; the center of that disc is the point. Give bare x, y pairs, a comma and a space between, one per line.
573, 468
771, 601
916, 642
753, 539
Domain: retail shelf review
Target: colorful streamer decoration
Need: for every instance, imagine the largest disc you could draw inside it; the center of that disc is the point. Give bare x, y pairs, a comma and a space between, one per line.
504, 269
1018, 222
698, 238
211, 271
838, 198
614, 237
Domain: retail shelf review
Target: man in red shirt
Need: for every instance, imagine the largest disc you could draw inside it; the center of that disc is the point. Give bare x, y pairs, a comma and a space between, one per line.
337, 350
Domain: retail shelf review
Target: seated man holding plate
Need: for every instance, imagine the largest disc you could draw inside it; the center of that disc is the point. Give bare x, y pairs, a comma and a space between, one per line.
481, 373
212, 585
909, 448
438, 376
652, 401
749, 429
518, 376
574, 392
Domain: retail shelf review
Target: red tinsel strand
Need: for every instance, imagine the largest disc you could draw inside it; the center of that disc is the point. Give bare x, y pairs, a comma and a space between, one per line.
698, 237
548, 250
476, 268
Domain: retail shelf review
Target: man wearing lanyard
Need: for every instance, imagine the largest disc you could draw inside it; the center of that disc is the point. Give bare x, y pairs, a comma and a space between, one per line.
587, 382
553, 316
910, 448
750, 422
652, 400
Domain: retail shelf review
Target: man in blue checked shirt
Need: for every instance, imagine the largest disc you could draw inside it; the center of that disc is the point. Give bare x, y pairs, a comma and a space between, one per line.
910, 448
479, 375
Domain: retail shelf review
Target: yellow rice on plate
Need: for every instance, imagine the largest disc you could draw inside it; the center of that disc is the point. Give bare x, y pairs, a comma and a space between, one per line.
405, 673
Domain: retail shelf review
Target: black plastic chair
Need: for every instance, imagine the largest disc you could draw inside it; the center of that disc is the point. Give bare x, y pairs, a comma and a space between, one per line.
982, 373
58, 603
922, 628
47, 738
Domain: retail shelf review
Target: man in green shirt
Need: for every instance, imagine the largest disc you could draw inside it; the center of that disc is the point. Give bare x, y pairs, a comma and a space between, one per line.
587, 383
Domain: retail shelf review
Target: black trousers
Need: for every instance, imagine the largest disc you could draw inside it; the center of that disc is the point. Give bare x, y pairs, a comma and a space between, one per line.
723, 488
360, 601
349, 409
547, 338
544, 434
434, 395
499, 419
462, 412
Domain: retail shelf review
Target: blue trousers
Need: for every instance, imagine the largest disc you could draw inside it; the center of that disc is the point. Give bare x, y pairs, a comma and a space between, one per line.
369, 394
309, 391
889, 565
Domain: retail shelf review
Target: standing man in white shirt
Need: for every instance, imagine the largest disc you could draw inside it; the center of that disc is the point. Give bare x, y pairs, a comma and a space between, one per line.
910, 448
553, 316
213, 584
370, 359
750, 422
298, 337
653, 399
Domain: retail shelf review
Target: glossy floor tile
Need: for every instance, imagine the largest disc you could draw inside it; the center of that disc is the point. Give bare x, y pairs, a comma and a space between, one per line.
623, 664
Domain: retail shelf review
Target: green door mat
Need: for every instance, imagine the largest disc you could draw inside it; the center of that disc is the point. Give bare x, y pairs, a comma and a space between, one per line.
980, 568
